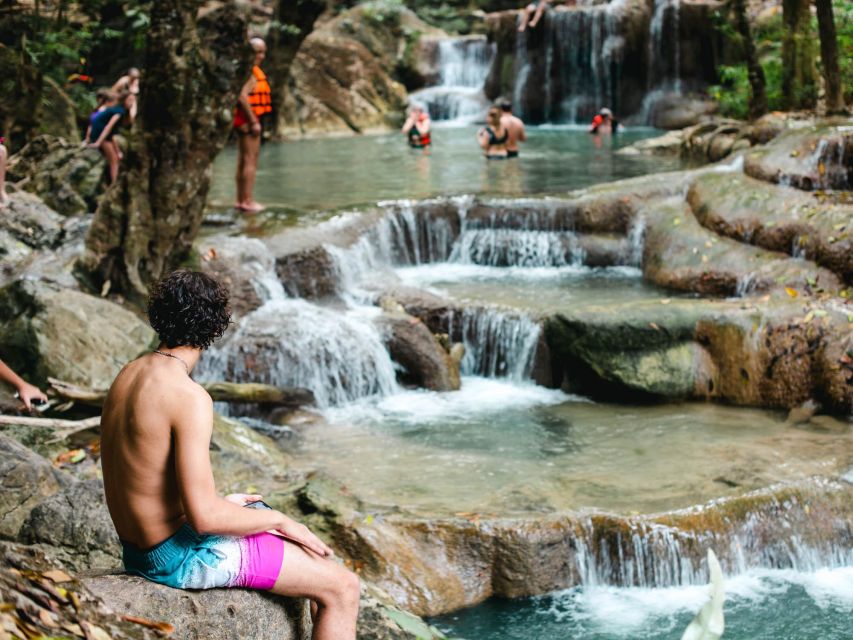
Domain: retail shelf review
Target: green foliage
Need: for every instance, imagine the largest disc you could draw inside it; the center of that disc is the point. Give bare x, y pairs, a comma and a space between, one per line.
844, 24
385, 12
732, 94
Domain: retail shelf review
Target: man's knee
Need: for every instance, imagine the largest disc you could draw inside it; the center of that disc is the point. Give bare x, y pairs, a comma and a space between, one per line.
344, 589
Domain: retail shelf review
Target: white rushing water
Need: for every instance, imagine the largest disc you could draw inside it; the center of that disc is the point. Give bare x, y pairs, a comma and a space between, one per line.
463, 64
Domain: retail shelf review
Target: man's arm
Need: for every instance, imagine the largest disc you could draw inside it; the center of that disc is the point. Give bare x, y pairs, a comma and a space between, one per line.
26, 391
243, 102
207, 512
522, 134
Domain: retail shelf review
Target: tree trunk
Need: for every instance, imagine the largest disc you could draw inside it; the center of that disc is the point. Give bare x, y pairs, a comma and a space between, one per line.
292, 22
829, 56
194, 69
758, 99
799, 90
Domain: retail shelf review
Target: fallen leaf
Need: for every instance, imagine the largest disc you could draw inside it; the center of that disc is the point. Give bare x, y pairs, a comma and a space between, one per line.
809, 317
666, 301
47, 619
791, 292
162, 627
57, 576
820, 313
676, 222
70, 457
654, 326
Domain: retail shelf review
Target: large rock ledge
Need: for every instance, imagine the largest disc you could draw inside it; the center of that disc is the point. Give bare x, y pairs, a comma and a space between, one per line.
216, 614
437, 565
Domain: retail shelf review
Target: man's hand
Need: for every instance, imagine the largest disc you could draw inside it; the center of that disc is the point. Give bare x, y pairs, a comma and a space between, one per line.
302, 535
94, 145
256, 128
29, 393
243, 499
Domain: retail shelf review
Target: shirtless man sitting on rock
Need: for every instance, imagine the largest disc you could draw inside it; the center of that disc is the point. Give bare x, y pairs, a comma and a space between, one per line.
175, 530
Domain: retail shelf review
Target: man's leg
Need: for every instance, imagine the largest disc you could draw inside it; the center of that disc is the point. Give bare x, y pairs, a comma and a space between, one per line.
250, 169
241, 162
333, 587
525, 17
540, 9
3, 197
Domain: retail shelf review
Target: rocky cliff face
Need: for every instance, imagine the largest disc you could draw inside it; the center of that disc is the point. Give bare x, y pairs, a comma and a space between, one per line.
350, 72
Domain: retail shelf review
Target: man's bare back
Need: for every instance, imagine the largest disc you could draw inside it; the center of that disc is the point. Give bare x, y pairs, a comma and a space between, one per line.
515, 127
146, 399
175, 529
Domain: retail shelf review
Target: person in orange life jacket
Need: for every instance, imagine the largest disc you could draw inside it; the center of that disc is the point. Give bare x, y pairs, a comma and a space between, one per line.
603, 122
417, 128
255, 101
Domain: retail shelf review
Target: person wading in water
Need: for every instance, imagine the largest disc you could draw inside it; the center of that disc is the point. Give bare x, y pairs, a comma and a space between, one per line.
174, 528
493, 137
255, 101
515, 128
417, 128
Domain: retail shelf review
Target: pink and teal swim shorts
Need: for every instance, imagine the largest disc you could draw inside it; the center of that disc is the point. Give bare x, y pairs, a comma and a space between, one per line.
189, 560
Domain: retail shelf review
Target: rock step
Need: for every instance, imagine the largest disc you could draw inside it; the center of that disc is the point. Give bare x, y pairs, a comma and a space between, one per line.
440, 564
681, 254
816, 157
725, 350
776, 218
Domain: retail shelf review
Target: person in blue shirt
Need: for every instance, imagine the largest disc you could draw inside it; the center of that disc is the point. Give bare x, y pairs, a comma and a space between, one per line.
104, 125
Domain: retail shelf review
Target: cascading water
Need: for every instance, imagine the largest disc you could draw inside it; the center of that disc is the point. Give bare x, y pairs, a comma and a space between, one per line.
338, 355
463, 65
498, 344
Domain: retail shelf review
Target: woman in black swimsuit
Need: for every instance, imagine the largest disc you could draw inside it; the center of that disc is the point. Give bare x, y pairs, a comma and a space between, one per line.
493, 136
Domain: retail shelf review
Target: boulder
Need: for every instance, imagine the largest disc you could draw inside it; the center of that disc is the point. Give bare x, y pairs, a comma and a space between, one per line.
214, 614
776, 218
26, 479
348, 75
28, 220
676, 111
665, 145
243, 265
424, 362
74, 526
810, 158
48, 331
67, 177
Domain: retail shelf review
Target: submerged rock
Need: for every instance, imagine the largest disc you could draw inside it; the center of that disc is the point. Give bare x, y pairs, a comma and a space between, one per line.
49, 331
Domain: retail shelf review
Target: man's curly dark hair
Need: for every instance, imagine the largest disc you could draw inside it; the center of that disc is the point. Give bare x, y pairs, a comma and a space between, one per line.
188, 308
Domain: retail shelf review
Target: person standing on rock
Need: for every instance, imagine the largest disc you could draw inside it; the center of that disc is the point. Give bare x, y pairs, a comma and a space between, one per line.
174, 528
28, 393
104, 125
515, 128
254, 102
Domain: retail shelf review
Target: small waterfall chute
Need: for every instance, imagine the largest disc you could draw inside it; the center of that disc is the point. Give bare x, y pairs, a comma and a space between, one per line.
709, 623
463, 64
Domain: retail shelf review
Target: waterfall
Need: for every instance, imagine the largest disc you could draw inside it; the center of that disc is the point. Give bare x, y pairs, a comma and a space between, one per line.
497, 343
644, 553
517, 248
463, 64
338, 354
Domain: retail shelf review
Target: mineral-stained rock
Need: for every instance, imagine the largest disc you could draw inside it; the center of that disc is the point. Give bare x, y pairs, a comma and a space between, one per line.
48, 331
815, 157
436, 565
348, 74
681, 254
776, 218
241, 264
424, 361
25, 479
76, 527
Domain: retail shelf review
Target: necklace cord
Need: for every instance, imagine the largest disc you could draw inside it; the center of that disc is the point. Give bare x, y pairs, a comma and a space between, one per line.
172, 355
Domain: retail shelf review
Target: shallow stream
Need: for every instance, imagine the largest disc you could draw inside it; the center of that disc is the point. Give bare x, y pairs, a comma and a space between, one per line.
502, 446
